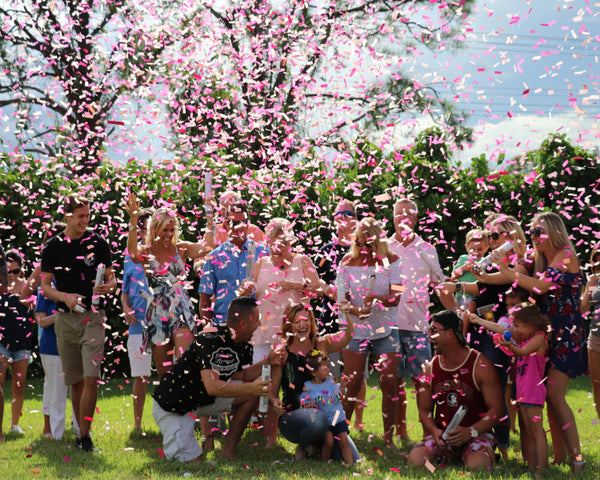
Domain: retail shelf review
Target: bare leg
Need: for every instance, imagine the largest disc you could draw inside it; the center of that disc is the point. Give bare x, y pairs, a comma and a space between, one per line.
139, 398
523, 437
354, 366
594, 361
270, 427
47, 429
536, 437
242, 411
477, 461
163, 358
181, 339
87, 405
359, 407
560, 415
76, 392
388, 373
19, 375
208, 444
401, 410
512, 410
345, 449
418, 456
3, 368
327, 446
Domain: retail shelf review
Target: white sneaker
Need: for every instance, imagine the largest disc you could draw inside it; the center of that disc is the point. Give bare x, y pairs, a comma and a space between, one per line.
17, 429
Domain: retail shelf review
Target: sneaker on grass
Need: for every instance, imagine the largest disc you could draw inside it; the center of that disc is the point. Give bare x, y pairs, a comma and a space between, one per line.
86, 444
17, 429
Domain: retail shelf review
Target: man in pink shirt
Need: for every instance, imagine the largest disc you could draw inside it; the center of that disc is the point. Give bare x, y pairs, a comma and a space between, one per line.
420, 270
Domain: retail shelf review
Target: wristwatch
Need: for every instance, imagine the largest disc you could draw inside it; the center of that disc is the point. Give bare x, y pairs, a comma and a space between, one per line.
457, 286
474, 432
132, 227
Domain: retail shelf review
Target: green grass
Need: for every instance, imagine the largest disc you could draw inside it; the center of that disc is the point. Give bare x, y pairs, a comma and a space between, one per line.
126, 457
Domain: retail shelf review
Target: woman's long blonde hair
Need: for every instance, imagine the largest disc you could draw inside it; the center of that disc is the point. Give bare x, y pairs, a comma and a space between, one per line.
510, 225
160, 219
557, 236
375, 235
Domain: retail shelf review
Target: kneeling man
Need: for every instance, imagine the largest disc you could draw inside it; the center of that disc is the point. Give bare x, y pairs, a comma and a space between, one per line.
457, 375
203, 382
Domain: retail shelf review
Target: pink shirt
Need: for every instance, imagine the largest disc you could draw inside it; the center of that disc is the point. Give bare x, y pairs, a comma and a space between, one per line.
420, 267
531, 370
272, 300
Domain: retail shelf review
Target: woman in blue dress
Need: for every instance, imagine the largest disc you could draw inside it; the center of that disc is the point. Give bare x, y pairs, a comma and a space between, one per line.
557, 278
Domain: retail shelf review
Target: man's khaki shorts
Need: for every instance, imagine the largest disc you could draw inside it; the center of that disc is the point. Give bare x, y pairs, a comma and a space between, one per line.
80, 340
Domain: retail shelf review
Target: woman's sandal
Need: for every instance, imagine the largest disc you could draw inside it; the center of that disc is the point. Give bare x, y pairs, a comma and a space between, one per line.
208, 443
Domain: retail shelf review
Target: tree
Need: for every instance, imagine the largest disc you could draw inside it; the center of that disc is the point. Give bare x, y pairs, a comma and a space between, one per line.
261, 83
65, 65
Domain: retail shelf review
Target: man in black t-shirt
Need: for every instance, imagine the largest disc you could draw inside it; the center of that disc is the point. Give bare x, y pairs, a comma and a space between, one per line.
209, 378
72, 260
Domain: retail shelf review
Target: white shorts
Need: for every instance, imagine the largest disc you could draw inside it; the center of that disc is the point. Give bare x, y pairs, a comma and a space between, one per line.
179, 440
139, 360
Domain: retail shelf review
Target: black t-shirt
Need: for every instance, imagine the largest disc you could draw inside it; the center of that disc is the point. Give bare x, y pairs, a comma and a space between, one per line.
16, 323
181, 390
293, 375
327, 262
74, 264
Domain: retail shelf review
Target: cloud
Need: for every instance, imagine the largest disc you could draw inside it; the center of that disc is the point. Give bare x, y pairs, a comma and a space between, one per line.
522, 133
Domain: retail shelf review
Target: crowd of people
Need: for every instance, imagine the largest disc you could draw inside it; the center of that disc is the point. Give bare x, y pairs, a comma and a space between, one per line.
508, 339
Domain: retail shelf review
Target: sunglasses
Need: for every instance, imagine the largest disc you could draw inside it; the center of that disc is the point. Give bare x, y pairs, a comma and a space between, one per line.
496, 235
433, 329
364, 244
345, 213
537, 231
15, 271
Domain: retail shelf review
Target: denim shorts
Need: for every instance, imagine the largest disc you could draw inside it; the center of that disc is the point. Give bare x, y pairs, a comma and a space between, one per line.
15, 355
379, 346
415, 351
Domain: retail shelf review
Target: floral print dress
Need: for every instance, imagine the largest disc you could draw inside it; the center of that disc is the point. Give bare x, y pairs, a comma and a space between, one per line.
568, 352
169, 307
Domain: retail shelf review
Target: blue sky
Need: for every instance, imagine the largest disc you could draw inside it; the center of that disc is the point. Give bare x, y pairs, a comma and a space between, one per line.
527, 69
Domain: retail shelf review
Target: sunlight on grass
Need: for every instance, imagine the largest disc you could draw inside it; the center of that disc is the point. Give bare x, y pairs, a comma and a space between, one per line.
127, 456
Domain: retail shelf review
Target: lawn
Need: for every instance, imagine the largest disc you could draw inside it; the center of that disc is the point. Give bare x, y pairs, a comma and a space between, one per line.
126, 456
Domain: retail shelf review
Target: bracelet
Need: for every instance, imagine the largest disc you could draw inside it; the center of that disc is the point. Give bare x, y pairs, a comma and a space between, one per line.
132, 227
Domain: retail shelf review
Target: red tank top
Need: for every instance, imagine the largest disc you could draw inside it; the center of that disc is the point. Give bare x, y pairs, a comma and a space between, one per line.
453, 388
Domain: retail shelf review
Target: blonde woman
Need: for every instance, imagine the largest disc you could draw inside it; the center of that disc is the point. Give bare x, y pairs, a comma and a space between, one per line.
557, 278
370, 275
170, 317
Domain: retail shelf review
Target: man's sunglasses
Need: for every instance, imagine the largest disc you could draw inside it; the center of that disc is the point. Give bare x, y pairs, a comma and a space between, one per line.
345, 213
